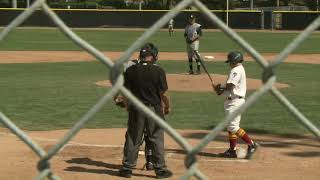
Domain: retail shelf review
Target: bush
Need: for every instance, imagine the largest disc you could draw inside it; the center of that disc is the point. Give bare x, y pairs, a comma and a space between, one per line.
153, 5
5, 3
73, 5
312, 5
114, 3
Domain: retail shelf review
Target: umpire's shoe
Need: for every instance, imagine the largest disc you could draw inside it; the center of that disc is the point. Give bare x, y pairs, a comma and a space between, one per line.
252, 149
127, 173
230, 153
163, 173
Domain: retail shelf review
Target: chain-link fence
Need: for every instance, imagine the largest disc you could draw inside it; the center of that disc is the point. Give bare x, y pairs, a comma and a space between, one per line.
268, 78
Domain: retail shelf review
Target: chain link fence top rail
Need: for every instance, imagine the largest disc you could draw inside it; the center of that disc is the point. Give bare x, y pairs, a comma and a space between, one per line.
268, 78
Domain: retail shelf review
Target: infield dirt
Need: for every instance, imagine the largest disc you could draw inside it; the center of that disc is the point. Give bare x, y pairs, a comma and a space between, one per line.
75, 56
97, 154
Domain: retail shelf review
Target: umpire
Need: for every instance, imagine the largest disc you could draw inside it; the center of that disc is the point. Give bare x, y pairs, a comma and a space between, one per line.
147, 81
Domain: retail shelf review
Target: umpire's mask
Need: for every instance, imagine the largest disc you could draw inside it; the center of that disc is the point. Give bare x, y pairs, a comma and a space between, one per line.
149, 49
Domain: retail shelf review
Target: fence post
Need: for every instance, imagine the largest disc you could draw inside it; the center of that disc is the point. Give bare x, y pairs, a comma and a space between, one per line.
272, 20
262, 19
14, 3
278, 20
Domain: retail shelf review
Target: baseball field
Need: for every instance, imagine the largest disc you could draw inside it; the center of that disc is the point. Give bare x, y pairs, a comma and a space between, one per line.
48, 83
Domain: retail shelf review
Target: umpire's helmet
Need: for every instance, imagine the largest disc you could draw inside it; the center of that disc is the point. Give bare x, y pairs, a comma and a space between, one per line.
234, 57
192, 16
149, 49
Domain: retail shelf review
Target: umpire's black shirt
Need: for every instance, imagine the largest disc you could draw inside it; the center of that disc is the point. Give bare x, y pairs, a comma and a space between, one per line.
146, 80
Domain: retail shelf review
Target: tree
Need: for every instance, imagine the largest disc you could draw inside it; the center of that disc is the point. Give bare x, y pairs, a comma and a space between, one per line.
286, 2
170, 4
311, 4
153, 4
118, 4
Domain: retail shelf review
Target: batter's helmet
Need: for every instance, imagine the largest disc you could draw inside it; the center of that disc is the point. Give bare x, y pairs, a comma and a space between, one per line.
234, 57
149, 49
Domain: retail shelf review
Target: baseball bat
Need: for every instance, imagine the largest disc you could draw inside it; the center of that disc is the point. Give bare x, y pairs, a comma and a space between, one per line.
204, 66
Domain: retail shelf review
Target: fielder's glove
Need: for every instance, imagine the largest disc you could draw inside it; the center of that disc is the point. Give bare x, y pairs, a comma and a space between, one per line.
189, 41
219, 90
120, 101
166, 110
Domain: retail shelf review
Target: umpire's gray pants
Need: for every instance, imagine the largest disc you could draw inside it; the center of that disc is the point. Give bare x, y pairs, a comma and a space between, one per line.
137, 122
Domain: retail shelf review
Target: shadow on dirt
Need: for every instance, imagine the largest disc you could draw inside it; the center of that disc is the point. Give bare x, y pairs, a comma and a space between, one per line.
88, 161
308, 154
183, 152
95, 171
110, 169
279, 141
199, 135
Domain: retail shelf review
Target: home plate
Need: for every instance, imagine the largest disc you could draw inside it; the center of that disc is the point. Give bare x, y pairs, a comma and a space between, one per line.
209, 57
141, 153
241, 153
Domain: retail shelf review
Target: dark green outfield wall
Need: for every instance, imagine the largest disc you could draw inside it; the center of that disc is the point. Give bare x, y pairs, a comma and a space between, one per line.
289, 20
143, 19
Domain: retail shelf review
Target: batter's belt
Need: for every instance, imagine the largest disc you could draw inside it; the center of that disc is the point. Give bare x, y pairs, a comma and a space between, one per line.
237, 97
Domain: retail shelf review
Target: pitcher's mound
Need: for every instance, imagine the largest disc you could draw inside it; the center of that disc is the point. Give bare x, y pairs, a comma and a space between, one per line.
199, 83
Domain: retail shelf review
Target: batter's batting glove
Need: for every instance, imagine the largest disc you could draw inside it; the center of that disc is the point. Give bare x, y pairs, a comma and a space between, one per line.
219, 90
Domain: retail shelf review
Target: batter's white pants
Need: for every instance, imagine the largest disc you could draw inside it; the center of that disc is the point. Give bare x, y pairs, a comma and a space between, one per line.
191, 48
229, 107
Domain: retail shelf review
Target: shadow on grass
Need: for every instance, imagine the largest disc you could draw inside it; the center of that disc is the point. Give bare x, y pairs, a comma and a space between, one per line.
111, 169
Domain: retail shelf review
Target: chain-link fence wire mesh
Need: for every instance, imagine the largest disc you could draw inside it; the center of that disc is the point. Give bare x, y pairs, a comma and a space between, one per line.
268, 78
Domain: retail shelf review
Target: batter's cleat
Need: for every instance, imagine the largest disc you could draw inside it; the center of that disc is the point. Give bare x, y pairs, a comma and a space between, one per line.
163, 173
127, 173
149, 166
191, 72
252, 149
230, 153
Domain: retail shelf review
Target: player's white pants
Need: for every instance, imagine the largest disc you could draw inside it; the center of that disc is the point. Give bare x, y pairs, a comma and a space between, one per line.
229, 107
191, 48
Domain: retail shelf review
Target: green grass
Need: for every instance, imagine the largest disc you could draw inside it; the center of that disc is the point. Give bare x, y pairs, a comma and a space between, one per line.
47, 96
51, 39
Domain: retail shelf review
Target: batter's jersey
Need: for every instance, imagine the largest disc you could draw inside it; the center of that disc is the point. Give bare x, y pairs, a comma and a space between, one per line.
237, 77
192, 30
